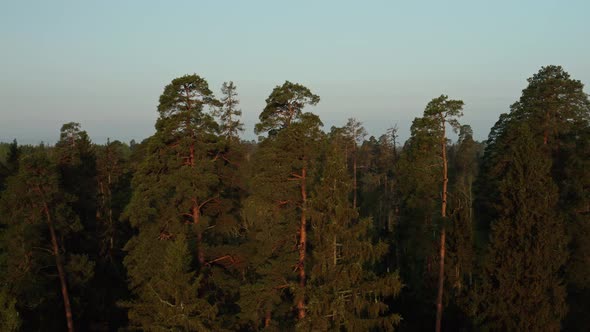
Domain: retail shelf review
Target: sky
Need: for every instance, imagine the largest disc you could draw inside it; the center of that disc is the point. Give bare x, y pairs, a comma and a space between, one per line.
104, 64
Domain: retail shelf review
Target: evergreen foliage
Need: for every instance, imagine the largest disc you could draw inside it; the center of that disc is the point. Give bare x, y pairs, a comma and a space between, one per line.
194, 229
522, 287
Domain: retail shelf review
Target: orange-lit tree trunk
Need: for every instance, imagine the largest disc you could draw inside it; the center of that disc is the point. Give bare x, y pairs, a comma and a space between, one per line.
354, 182
267, 318
60, 270
199, 235
302, 245
443, 212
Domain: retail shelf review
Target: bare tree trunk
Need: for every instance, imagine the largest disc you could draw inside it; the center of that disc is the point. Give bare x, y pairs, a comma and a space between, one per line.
196, 219
441, 278
267, 318
302, 246
354, 179
60, 270
443, 211
196, 213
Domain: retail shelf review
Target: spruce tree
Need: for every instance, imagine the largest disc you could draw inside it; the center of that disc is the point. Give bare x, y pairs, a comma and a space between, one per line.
168, 298
344, 291
355, 133
522, 288
229, 114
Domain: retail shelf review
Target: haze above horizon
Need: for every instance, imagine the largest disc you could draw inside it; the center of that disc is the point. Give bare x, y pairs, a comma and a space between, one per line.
104, 64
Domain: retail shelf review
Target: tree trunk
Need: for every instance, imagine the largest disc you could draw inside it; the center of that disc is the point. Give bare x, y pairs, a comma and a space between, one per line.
443, 211
199, 235
302, 246
354, 179
267, 318
441, 278
60, 270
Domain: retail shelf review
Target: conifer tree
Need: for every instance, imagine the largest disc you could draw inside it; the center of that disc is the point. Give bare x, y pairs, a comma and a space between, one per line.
463, 166
176, 189
112, 173
443, 111
418, 171
229, 114
461, 240
557, 111
355, 132
13, 156
282, 179
38, 219
522, 288
344, 292
168, 298
110, 284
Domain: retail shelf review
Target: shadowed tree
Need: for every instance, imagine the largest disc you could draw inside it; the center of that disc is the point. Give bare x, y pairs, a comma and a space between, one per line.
556, 111
443, 111
9, 317
344, 292
38, 219
355, 133
522, 288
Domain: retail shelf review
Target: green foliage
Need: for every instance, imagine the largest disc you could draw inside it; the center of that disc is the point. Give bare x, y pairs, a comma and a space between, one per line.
557, 111
283, 174
9, 317
344, 291
167, 296
229, 114
522, 287
284, 105
195, 230
184, 188
32, 204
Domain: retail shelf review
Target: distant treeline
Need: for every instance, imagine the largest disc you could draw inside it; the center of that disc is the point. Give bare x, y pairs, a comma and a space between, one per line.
309, 228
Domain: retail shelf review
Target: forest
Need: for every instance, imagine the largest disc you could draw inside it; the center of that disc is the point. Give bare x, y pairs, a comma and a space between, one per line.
307, 228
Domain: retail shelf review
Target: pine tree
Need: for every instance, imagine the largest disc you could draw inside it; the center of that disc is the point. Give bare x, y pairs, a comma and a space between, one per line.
443, 111
178, 191
283, 172
522, 288
38, 221
557, 112
418, 171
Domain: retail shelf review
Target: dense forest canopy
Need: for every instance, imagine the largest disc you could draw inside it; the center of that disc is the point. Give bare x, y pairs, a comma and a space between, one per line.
309, 228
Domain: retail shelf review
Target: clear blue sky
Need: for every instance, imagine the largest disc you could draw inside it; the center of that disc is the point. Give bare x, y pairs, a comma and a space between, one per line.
105, 63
